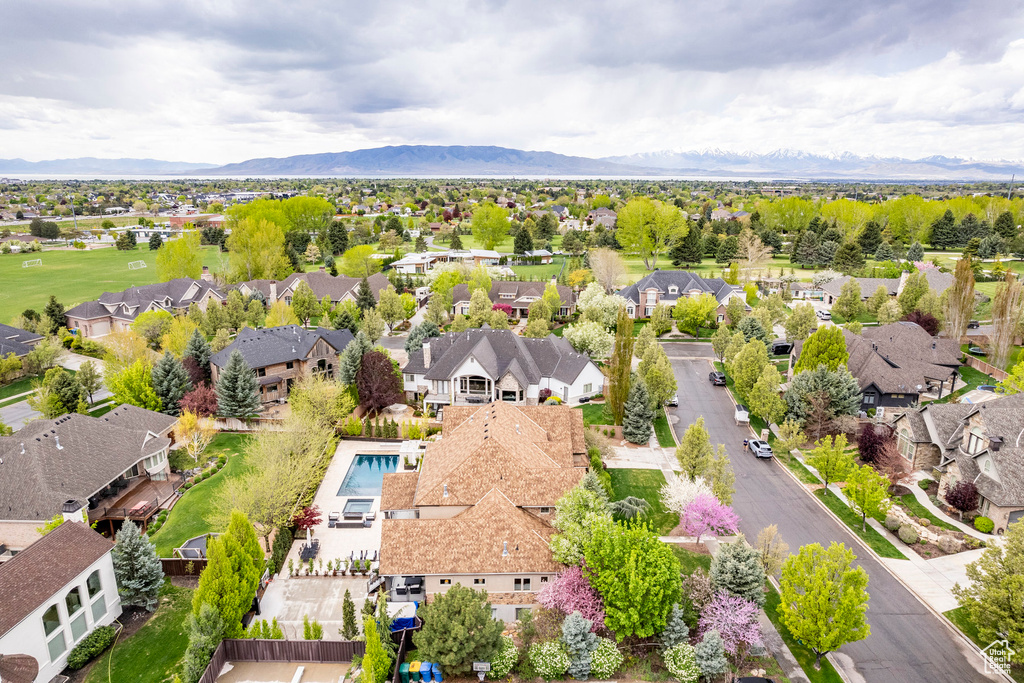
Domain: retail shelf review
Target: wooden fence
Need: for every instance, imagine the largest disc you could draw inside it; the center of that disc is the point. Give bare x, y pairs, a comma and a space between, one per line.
987, 368
175, 566
312, 651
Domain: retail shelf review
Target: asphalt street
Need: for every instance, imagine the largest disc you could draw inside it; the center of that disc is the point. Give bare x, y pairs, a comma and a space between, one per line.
908, 643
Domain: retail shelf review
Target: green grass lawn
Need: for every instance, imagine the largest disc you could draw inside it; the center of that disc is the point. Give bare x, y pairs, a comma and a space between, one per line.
75, 276
596, 414
18, 386
914, 506
872, 538
154, 651
690, 561
645, 484
962, 620
195, 513
543, 271
974, 379
663, 431
827, 673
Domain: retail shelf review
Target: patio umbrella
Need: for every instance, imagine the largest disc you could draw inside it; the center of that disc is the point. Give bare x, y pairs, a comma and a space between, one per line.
18, 668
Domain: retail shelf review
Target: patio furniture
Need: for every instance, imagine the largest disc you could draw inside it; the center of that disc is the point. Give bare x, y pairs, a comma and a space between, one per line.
139, 508
332, 519
369, 518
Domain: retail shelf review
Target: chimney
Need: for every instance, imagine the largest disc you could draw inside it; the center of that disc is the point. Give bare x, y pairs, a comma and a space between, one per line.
426, 355
995, 443
56, 440
323, 269
71, 510
206, 274
273, 292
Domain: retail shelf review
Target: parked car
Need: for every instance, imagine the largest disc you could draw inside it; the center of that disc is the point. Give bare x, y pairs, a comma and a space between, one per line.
977, 351
760, 449
973, 325
824, 315
717, 378
674, 401
781, 347
742, 414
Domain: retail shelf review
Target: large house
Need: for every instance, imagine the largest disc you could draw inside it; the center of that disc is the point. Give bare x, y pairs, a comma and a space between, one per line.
117, 464
937, 280
337, 287
518, 295
17, 341
421, 262
479, 510
118, 310
484, 365
896, 363
54, 593
982, 443
668, 286
279, 355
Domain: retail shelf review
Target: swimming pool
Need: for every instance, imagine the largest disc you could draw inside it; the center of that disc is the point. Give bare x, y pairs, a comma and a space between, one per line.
366, 474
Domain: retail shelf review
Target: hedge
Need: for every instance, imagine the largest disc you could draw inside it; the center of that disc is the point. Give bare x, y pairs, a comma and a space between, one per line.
91, 646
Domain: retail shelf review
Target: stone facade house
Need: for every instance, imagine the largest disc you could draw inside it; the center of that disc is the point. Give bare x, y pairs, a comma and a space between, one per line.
484, 365
668, 286
118, 310
924, 435
280, 355
518, 295
479, 510
337, 287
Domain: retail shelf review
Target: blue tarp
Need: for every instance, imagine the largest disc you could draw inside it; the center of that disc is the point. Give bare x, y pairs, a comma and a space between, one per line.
403, 623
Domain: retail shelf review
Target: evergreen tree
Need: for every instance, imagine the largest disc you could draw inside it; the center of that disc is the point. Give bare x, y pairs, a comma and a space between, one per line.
242, 530
710, 656
421, 244
198, 349
884, 252
580, 644
805, 251
737, 569
352, 358
523, 242
237, 390
337, 238
1004, 226
224, 583
348, 630
170, 382
689, 249
205, 631
54, 313
456, 240
676, 631
849, 257
136, 568
419, 334
916, 252
457, 630
870, 237
827, 346
155, 241
637, 422
364, 297
943, 231
620, 365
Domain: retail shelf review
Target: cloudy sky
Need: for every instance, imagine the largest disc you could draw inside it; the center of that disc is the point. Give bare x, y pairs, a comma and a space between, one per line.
220, 81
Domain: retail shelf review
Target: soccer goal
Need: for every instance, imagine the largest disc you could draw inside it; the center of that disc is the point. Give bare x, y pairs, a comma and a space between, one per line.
135, 265
32, 262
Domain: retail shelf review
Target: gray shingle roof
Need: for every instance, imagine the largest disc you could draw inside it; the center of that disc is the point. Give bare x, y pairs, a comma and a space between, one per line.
16, 341
684, 280
92, 452
272, 345
518, 290
500, 352
135, 300
323, 284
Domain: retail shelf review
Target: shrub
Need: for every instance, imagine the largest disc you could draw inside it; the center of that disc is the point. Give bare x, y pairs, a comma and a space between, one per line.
984, 524
681, 662
924, 484
948, 544
91, 646
186, 486
549, 659
605, 660
908, 534
892, 522
508, 655
925, 522
282, 544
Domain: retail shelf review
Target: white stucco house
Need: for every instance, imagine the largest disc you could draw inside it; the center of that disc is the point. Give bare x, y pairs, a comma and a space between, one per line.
484, 365
55, 592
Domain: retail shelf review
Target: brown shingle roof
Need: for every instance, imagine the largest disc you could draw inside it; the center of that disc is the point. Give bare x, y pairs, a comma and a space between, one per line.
35, 575
473, 542
398, 491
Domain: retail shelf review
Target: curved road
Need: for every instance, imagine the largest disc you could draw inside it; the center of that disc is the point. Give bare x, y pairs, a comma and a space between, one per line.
908, 643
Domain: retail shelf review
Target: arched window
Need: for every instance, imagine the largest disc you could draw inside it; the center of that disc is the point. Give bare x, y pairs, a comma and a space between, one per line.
54, 632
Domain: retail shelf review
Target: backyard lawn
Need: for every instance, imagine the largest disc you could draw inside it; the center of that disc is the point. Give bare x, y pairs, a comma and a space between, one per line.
195, 513
690, 561
596, 414
75, 276
154, 651
645, 484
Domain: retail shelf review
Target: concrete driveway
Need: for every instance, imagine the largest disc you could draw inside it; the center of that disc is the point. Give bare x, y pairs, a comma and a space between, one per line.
908, 643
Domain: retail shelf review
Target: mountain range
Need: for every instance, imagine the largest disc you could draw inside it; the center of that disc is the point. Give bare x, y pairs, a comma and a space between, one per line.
457, 161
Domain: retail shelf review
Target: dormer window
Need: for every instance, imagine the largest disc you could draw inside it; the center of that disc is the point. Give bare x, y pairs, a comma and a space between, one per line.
672, 289
975, 441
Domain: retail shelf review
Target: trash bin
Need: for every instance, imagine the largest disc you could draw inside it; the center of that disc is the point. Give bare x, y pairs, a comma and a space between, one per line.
403, 671
435, 671
425, 672
414, 671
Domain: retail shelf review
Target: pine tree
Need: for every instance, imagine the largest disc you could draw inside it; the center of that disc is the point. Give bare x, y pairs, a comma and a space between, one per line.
352, 357
710, 655
637, 422
348, 629
676, 631
916, 252
620, 365
805, 252
580, 643
155, 241
737, 569
421, 244
137, 568
364, 297
198, 349
943, 231
237, 393
1004, 226
870, 237
170, 382
884, 252
205, 631
690, 249
848, 257
456, 241
523, 242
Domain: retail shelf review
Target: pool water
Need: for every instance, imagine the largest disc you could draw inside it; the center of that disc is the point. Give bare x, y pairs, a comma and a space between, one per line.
365, 475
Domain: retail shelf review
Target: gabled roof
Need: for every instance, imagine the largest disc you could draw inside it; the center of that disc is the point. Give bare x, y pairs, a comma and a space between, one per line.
272, 345
48, 462
868, 285
127, 305
497, 351
322, 284
686, 281
899, 356
34, 576
518, 290
492, 537
16, 341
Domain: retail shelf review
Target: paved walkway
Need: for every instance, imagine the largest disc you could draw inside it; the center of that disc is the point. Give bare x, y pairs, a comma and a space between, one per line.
923, 499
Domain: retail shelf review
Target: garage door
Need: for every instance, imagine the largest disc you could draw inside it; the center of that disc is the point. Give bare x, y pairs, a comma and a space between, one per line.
1016, 516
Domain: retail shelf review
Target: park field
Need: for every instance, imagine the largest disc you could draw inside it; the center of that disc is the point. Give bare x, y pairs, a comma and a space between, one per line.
75, 276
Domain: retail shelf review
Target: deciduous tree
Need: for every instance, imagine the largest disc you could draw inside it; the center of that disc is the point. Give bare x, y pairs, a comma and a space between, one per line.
867, 491
608, 267
134, 385
706, 514
304, 302
490, 224
646, 228
620, 366
256, 251
831, 459
827, 347
378, 382
182, 257
281, 314
849, 304
771, 549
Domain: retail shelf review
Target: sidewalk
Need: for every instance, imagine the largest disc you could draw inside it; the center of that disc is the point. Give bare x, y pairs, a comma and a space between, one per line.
923, 499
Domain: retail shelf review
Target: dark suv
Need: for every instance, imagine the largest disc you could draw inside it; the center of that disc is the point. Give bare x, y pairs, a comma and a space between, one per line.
717, 378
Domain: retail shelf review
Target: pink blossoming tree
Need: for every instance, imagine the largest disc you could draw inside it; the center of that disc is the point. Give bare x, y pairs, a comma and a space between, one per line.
571, 592
735, 619
705, 514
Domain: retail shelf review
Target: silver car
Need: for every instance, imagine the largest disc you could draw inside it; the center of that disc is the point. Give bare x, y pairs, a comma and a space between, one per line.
760, 449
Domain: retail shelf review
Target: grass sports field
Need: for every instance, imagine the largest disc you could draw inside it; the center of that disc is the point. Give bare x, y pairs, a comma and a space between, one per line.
75, 276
